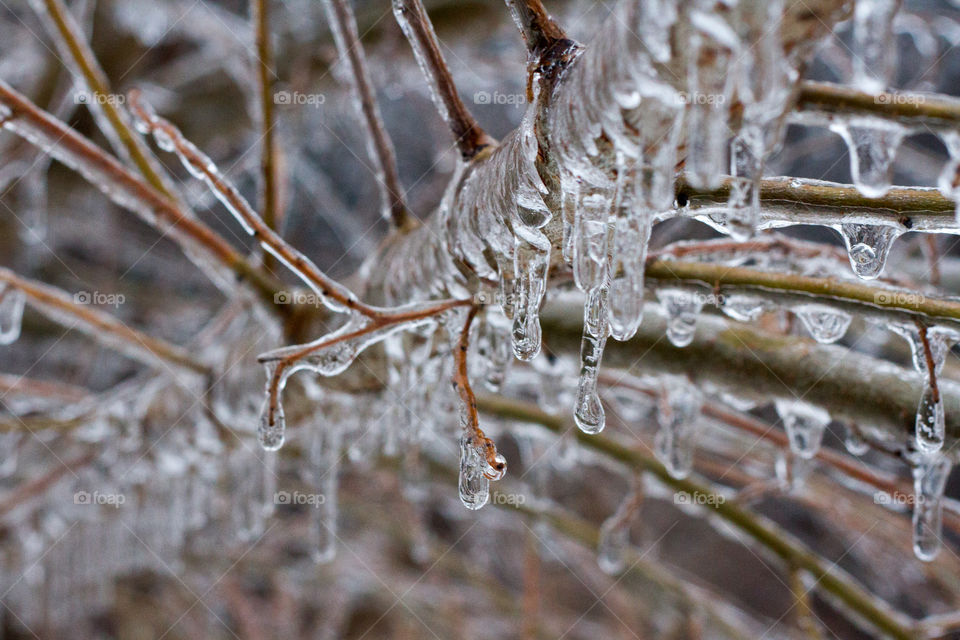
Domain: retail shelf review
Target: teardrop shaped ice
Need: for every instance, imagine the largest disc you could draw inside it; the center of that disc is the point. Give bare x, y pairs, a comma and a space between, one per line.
744, 308
804, 424
474, 486
677, 416
931, 421
825, 324
868, 246
588, 413
531, 264
682, 308
854, 442
873, 148
272, 429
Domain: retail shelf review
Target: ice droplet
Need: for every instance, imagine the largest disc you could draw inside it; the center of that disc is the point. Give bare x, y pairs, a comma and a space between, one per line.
589, 414
929, 480
873, 148
677, 415
590, 236
271, 433
742, 307
614, 539
474, 486
682, 308
931, 421
325, 462
868, 246
854, 442
804, 424
627, 260
825, 324
12, 301
873, 47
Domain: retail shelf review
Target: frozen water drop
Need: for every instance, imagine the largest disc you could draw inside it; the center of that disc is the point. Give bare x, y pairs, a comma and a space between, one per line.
804, 424
825, 324
868, 246
531, 264
873, 148
741, 307
854, 442
682, 308
271, 432
931, 421
677, 417
588, 413
474, 486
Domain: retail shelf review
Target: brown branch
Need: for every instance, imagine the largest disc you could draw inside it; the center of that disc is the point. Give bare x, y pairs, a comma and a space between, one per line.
21, 385
40, 484
127, 190
415, 23
344, 27
824, 98
70, 41
59, 306
931, 365
539, 30
201, 165
461, 383
260, 12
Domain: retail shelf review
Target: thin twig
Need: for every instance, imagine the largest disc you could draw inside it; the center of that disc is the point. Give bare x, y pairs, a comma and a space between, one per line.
344, 27
469, 136
72, 44
260, 12
59, 306
931, 365
461, 384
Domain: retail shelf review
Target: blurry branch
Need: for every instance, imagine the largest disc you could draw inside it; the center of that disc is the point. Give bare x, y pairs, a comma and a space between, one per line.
60, 307
344, 27
803, 201
830, 99
539, 30
23, 386
130, 192
72, 44
40, 484
260, 12
875, 394
828, 576
469, 136
844, 294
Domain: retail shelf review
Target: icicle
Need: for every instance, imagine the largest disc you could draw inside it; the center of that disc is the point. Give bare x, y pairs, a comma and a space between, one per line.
804, 424
325, 461
825, 324
12, 301
474, 485
614, 540
493, 350
682, 308
677, 415
631, 236
711, 45
590, 237
531, 264
931, 421
746, 167
929, 480
589, 414
868, 246
873, 147
741, 307
949, 182
272, 428
874, 45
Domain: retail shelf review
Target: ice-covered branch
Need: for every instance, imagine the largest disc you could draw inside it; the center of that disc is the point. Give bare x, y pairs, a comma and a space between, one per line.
61, 307
825, 99
539, 30
829, 577
418, 29
263, 63
344, 27
208, 250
